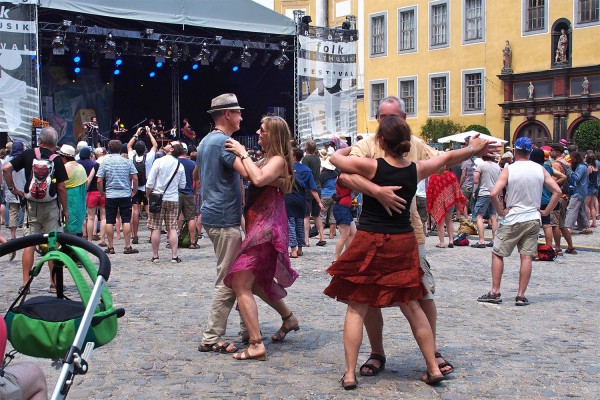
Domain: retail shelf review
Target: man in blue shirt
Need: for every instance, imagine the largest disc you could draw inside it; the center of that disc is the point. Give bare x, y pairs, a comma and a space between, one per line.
187, 206
221, 212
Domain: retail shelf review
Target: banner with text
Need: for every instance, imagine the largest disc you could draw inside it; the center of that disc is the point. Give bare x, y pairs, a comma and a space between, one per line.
327, 74
19, 101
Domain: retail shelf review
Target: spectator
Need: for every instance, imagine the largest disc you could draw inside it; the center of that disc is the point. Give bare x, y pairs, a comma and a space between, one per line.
121, 185
576, 206
591, 200
312, 160
76, 190
44, 213
95, 204
15, 203
166, 177
443, 195
329, 176
486, 175
187, 198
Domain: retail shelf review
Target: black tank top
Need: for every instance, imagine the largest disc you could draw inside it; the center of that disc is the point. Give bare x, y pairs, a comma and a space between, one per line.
374, 218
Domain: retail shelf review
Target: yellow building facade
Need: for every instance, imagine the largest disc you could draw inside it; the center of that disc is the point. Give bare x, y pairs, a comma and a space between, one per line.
517, 67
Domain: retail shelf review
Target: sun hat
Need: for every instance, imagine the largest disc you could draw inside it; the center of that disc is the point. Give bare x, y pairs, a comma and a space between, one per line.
327, 164
563, 142
523, 144
227, 101
558, 147
323, 153
508, 154
67, 151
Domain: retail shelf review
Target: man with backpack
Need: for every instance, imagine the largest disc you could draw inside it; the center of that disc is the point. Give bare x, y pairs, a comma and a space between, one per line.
45, 177
558, 215
142, 161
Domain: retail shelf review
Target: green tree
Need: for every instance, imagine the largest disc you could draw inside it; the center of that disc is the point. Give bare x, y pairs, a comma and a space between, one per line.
587, 135
433, 129
478, 128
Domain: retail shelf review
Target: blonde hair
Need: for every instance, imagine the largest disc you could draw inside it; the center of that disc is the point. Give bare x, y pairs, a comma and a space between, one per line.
279, 145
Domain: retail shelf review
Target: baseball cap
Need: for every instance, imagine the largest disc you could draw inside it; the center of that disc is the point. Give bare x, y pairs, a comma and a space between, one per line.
523, 144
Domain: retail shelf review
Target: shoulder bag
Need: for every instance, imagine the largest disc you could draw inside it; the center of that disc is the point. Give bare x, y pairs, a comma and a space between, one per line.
155, 200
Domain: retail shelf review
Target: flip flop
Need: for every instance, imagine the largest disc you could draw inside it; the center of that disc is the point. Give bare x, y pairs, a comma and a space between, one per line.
440, 247
293, 256
433, 380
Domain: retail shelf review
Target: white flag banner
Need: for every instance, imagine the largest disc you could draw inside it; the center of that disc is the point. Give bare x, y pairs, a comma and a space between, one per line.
327, 74
19, 101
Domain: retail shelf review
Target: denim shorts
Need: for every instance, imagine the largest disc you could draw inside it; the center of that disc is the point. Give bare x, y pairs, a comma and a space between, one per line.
342, 214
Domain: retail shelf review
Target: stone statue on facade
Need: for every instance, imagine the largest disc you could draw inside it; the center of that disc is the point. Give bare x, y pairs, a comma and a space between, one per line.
507, 59
585, 86
530, 90
561, 48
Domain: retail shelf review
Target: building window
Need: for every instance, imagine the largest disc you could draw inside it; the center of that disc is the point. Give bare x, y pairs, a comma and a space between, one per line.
378, 93
407, 30
474, 22
378, 33
439, 95
535, 14
439, 24
473, 92
588, 11
407, 92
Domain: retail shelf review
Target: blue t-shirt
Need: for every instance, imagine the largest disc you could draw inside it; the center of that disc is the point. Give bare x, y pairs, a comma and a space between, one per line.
220, 188
546, 194
580, 180
295, 202
188, 167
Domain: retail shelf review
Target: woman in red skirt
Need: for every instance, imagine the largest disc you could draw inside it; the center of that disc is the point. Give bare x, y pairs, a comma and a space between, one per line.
381, 267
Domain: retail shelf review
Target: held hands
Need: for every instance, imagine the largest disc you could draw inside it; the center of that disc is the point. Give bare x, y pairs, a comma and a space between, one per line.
235, 147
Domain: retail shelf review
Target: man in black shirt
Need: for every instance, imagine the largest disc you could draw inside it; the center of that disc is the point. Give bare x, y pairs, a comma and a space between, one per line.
43, 215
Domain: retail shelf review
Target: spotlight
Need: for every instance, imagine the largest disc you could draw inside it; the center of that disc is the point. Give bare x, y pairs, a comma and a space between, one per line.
149, 31
116, 71
67, 23
281, 61
235, 68
186, 77
58, 45
152, 74
77, 70
195, 66
212, 57
77, 58
159, 64
283, 44
161, 47
118, 62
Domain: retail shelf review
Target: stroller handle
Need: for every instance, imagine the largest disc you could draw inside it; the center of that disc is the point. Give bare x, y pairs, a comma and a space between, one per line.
63, 238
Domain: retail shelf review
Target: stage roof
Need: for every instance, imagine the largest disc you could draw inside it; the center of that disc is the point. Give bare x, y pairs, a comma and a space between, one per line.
236, 15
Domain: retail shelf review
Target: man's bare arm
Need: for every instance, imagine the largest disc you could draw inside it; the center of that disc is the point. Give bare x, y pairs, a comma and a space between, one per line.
384, 194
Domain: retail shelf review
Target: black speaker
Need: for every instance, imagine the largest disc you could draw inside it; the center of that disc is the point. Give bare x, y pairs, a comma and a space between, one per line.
3, 139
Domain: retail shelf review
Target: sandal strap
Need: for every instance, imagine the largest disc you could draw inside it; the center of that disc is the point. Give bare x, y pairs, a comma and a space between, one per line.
377, 357
287, 317
255, 341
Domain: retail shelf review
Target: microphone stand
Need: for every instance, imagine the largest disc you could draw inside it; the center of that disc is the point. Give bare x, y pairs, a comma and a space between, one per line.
139, 123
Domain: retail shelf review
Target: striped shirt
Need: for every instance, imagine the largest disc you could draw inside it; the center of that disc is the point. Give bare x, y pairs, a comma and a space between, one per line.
116, 171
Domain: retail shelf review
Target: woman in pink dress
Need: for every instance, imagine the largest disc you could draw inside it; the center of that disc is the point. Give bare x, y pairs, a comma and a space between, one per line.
262, 266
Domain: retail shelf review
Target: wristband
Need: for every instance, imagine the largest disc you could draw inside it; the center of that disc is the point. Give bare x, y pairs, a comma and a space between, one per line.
472, 150
245, 156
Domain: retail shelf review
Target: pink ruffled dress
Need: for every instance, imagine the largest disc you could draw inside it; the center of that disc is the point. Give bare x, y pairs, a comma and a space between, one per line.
265, 248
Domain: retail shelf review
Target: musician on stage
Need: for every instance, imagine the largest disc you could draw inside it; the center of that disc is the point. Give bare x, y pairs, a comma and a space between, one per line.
153, 128
93, 132
117, 130
160, 128
188, 136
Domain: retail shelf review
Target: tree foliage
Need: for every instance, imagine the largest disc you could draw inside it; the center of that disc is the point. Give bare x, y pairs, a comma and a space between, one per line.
478, 128
433, 129
587, 135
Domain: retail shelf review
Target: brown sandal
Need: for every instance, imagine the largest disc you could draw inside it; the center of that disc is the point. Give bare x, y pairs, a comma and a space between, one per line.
245, 355
283, 331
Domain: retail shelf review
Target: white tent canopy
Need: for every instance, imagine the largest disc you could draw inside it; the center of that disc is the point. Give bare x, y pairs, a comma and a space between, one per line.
460, 137
236, 15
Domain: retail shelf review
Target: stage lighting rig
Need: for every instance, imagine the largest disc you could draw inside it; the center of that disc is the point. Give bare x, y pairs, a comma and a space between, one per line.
66, 23
58, 45
265, 59
246, 58
227, 56
281, 60
204, 55
161, 47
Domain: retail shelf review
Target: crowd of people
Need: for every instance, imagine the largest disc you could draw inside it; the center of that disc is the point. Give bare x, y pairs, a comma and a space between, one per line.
257, 211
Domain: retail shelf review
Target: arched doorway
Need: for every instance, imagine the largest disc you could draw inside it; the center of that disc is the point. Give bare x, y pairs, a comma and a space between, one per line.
536, 131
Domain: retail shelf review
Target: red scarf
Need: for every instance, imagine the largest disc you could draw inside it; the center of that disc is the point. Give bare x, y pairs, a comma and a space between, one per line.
443, 193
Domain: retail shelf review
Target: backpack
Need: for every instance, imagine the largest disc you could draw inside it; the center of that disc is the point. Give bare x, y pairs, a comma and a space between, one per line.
184, 239
461, 240
42, 187
546, 253
568, 172
141, 170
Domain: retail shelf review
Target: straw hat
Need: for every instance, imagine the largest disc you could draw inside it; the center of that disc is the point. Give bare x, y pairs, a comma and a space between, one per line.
508, 154
327, 164
227, 101
67, 151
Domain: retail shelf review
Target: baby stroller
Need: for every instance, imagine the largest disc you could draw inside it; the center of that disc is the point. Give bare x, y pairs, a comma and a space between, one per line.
57, 327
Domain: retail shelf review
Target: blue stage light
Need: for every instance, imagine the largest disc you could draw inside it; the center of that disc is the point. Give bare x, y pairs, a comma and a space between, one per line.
77, 70
159, 64
195, 66
116, 72
76, 59
186, 77
118, 62
152, 74
235, 68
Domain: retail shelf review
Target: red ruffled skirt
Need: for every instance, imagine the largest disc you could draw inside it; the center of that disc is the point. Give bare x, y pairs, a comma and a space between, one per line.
378, 269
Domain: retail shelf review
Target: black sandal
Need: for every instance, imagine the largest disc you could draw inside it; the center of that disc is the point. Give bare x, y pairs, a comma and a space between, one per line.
217, 348
374, 370
352, 385
444, 364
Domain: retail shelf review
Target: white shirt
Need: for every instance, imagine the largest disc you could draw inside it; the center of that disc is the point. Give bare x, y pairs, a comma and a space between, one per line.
161, 172
524, 192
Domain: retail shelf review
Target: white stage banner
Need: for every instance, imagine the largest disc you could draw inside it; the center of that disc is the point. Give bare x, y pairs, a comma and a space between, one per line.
19, 101
327, 75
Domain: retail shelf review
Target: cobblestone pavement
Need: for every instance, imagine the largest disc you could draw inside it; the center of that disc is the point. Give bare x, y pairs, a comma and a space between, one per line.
546, 350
